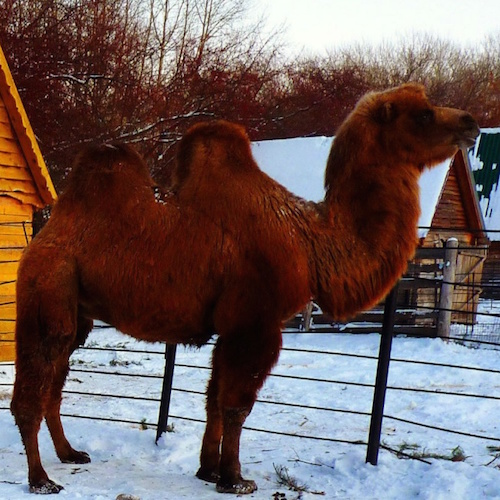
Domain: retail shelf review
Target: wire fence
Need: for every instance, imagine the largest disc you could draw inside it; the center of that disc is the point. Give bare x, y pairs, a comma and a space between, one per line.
123, 366
126, 365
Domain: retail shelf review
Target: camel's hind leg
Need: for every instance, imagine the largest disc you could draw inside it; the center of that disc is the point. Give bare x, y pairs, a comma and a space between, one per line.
64, 450
46, 331
241, 363
28, 407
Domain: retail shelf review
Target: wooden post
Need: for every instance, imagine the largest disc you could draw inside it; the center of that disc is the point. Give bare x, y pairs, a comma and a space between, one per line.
446, 297
307, 316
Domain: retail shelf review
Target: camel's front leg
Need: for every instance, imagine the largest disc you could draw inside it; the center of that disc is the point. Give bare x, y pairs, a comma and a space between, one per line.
241, 363
211, 463
230, 480
210, 450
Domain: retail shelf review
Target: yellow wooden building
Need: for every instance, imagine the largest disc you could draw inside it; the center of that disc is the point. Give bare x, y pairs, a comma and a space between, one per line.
25, 185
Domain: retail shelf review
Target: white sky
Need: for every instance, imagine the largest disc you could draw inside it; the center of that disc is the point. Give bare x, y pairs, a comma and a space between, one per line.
318, 25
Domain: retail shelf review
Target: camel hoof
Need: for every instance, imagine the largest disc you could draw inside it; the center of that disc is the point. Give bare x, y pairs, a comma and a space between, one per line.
77, 457
207, 475
240, 487
45, 487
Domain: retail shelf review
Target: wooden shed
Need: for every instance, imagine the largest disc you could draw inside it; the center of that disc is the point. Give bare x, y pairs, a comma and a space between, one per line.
25, 186
450, 209
485, 160
456, 214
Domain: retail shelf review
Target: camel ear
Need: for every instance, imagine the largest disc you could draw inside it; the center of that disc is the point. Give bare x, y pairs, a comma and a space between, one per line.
386, 112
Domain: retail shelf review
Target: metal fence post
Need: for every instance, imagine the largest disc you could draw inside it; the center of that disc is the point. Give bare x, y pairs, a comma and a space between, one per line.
166, 390
384, 358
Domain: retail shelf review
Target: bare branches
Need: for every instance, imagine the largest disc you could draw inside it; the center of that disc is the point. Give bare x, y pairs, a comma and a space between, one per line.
145, 70
135, 69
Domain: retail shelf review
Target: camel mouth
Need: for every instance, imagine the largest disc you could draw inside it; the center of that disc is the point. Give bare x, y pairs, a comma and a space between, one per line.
468, 138
467, 141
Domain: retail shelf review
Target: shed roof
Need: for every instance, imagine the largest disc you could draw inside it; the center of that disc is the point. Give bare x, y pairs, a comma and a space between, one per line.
25, 137
458, 209
485, 163
299, 164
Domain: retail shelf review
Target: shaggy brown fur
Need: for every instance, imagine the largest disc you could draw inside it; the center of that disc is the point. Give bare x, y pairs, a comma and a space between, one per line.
230, 252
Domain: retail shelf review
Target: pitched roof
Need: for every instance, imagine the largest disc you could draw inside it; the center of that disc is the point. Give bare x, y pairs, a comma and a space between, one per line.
485, 163
458, 207
299, 164
25, 136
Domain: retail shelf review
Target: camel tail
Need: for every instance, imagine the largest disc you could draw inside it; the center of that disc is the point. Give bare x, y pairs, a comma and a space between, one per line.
33, 355
30, 332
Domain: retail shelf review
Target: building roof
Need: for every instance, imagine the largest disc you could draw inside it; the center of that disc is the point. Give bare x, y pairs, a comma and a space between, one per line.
26, 139
485, 163
299, 164
458, 212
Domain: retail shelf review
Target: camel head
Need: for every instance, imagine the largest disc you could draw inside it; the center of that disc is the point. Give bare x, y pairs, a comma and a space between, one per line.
403, 125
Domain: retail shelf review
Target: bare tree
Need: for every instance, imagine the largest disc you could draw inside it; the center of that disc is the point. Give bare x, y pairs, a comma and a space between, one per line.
136, 70
459, 76
144, 70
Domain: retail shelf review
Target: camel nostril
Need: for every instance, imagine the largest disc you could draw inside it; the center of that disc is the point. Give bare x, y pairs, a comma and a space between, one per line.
468, 122
469, 131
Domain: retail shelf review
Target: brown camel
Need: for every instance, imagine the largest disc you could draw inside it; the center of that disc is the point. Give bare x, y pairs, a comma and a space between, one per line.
229, 251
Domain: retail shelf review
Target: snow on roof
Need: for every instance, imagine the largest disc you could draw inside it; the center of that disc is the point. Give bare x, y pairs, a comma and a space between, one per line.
431, 184
299, 165
485, 159
490, 130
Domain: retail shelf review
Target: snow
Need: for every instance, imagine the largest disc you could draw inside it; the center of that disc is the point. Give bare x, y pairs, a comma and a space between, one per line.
431, 184
299, 164
490, 130
490, 207
125, 459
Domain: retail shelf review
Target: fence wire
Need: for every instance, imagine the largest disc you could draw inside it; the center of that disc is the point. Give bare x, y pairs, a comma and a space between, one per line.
127, 356
482, 335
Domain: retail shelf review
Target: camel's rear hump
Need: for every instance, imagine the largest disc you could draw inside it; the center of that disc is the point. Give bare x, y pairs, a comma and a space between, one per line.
100, 167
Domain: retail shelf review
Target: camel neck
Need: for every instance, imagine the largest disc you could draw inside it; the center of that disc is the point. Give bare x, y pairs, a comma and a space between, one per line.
371, 236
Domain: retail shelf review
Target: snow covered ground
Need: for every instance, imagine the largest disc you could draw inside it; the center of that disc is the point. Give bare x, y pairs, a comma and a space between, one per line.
125, 459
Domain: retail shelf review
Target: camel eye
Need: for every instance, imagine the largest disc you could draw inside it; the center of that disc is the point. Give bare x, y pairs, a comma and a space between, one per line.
425, 117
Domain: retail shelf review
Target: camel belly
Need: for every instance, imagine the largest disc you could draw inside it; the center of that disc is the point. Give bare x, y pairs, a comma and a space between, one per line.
158, 313
175, 300
156, 326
